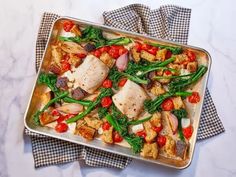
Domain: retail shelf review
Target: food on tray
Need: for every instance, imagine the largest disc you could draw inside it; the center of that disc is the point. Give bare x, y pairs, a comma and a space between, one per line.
121, 90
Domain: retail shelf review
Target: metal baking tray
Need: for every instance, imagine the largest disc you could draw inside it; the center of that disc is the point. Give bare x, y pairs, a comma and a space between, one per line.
38, 90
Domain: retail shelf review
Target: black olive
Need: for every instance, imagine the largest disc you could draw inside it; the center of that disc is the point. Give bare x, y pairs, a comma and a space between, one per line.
89, 47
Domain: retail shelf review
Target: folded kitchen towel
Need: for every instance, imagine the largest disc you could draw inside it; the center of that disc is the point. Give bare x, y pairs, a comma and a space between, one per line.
168, 22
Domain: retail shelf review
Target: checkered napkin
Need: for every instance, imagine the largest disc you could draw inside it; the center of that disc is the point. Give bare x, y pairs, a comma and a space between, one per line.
168, 22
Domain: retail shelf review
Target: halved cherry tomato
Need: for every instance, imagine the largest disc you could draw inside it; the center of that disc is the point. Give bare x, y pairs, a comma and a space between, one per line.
168, 54
107, 83
104, 49
114, 53
191, 55
122, 51
161, 140
67, 25
106, 102
65, 66
194, 98
167, 105
146, 47
122, 82
152, 50
106, 126
97, 53
157, 129
188, 132
61, 127
64, 117
141, 134
81, 55
138, 46
167, 72
116, 137
55, 112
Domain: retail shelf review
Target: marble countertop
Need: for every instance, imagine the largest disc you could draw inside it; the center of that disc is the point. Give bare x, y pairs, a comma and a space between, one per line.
212, 27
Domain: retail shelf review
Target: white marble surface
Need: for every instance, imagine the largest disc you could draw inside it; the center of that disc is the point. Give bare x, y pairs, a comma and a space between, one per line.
212, 27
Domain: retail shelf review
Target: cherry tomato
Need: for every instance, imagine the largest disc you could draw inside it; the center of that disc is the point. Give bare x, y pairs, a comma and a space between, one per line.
146, 47
67, 25
194, 98
141, 134
167, 72
106, 102
97, 53
104, 49
106, 126
81, 55
55, 112
191, 55
122, 82
161, 140
168, 54
152, 50
122, 51
167, 105
66, 57
114, 53
117, 138
138, 46
61, 127
64, 117
188, 132
65, 66
158, 129
107, 83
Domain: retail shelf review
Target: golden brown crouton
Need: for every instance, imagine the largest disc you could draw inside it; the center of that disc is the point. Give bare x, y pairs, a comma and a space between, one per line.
107, 59
150, 150
169, 147
147, 56
107, 136
157, 89
161, 55
86, 132
135, 54
165, 81
46, 118
156, 119
74, 60
80, 123
177, 67
167, 129
178, 103
56, 54
75, 29
192, 66
93, 122
151, 134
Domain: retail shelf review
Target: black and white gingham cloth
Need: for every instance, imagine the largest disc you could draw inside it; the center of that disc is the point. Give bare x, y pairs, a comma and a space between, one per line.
168, 22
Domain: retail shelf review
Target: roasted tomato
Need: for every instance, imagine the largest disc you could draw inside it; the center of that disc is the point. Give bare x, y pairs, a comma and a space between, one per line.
152, 50
167, 105
191, 55
167, 72
168, 54
104, 49
161, 140
138, 46
61, 127
106, 126
194, 98
67, 25
81, 55
116, 137
107, 83
55, 112
106, 102
158, 129
146, 47
188, 132
141, 134
122, 82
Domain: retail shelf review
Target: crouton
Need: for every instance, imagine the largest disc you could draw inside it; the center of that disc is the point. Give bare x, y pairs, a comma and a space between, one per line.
192, 66
75, 29
165, 81
46, 118
86, 132
135, 54
107, 136
74, 60
80, 123
150, 150
161, 55
179, 59
107, 59
147, 56
157, 89
167, 129
156, 119
93, 122
56, 54
177, 67
151, 134
169, 147
178, 103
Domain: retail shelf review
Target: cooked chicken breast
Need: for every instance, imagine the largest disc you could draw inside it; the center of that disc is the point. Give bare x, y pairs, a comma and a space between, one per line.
129, 100
90, 74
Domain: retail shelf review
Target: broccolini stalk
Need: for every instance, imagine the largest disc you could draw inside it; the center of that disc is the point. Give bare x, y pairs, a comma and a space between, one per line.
174, 50
180, 113
136, 122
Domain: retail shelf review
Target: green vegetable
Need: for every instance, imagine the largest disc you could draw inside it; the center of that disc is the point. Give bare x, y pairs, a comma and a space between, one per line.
136, 122
174, 50
103, 93
153, 105
95, 36
102, 112
50, 80
180, 113
182, 84
37, 114
172, 77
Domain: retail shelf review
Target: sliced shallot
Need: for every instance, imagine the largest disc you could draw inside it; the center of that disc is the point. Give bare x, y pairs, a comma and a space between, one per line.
122, 61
